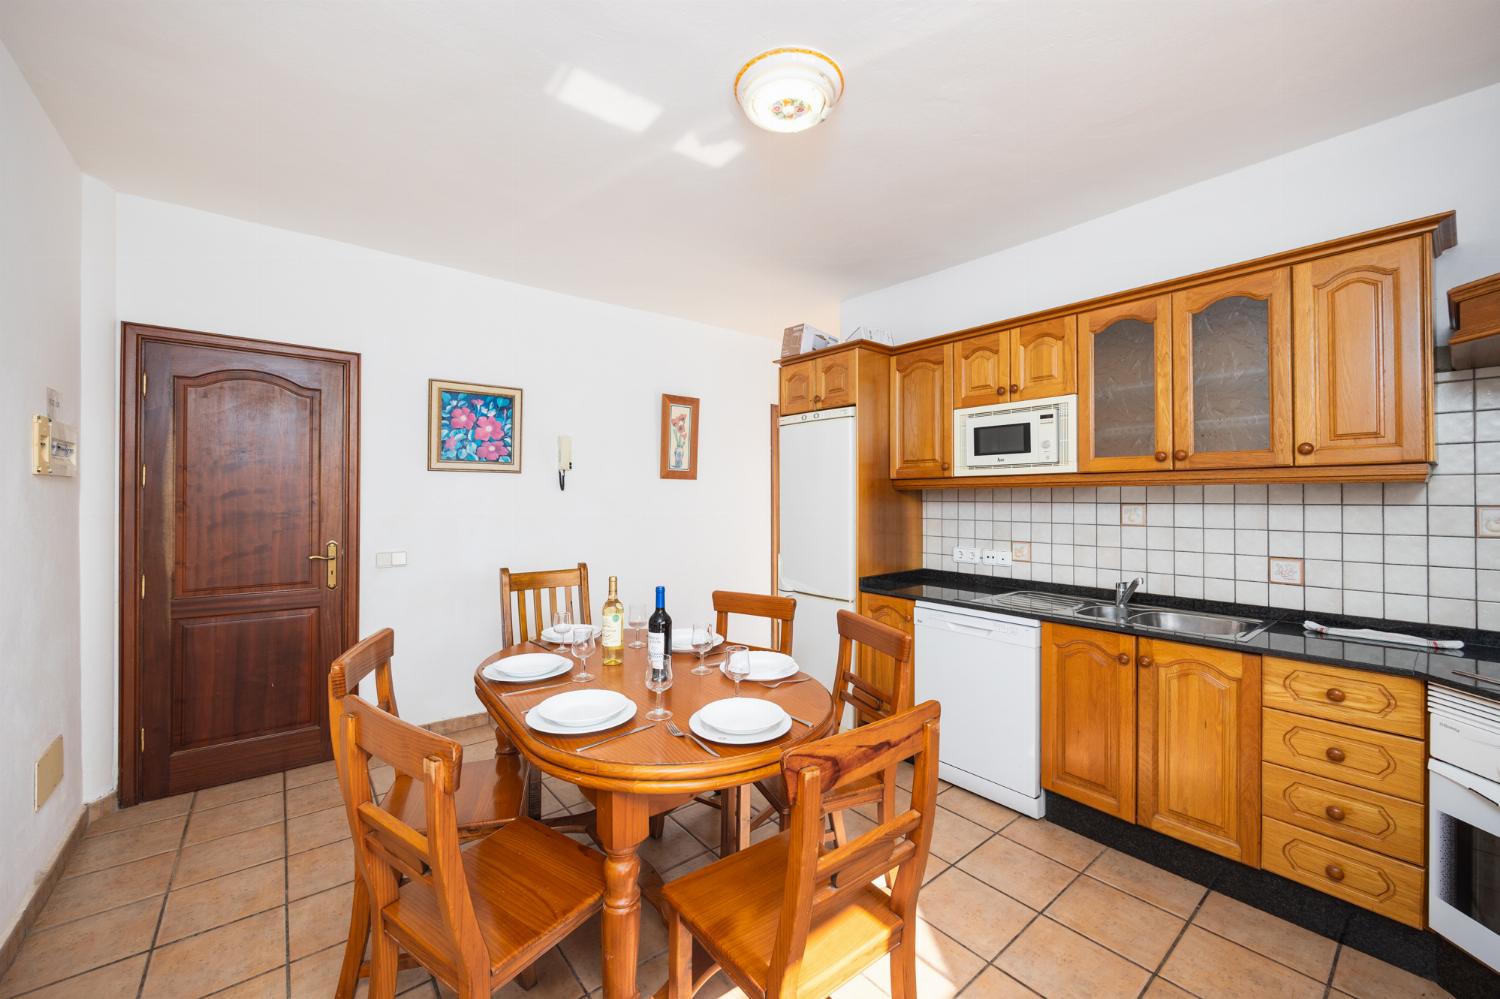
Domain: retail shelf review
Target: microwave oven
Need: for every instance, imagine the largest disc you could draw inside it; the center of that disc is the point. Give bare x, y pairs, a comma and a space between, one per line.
1017, 438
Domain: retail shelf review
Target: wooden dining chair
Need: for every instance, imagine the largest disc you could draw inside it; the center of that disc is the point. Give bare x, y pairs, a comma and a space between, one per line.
563, 589
475, 918
787, 918
779, 610
490, 792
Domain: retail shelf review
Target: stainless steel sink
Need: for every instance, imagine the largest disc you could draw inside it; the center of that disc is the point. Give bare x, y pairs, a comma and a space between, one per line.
1038, 600
1219, 625
1104, 612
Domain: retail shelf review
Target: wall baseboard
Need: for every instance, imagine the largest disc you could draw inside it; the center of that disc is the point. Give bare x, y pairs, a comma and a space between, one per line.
43, 890
451, 726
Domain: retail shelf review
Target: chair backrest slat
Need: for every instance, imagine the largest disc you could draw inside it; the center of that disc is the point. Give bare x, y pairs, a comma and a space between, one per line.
565, 588
870, 701
781, 611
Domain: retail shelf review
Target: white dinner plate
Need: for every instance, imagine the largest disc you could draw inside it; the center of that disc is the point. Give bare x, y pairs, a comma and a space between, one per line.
682, 641
742, 715
526, 667
705, 731
549, 635
540, 724
767, 666
582, 708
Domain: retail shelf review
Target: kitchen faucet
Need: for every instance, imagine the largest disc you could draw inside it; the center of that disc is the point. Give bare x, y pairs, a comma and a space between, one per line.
1124, 591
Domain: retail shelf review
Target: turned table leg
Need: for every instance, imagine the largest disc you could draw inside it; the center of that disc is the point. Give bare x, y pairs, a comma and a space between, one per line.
622, 824
734, 819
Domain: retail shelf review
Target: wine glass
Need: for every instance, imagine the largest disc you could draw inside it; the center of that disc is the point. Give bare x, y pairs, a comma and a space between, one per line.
703, 639
583, 648
562, 626
737, 665
659, 679
639, 613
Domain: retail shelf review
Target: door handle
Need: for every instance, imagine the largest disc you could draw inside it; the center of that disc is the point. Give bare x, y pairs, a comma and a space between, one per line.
332, 559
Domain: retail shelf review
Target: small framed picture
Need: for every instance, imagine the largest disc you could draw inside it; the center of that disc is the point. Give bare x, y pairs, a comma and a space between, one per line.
679, 437
473, 428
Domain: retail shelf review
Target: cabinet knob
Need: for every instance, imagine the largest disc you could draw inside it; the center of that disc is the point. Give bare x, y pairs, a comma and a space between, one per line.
1124, 658
1335, 754
1304, 448
1334, 812
945, 466
1335, 695
1179, 455
1334, 872
1144, 662
817, 398
1015, 388
1161, 456
1000, 390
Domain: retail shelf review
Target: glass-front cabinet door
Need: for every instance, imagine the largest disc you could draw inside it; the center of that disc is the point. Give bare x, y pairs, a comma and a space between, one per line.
1232, 373
1125, 386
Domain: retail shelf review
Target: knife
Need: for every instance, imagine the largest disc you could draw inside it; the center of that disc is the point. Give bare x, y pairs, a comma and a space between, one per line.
533, 690
617, 735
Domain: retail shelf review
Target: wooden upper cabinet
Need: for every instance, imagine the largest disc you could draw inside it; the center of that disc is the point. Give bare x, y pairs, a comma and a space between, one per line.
1362, 363
797, 389
1200, 774
981, 370
835, 383
1089, 717
1043, 358
1232, 372
921, 413
1125, 386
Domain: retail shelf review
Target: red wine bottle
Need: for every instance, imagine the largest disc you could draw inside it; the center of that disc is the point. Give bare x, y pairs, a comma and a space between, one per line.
659, 631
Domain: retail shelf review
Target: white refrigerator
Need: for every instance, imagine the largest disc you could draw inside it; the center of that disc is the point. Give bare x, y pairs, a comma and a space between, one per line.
816, 563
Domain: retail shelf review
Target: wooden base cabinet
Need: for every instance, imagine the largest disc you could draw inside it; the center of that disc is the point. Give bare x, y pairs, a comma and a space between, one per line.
1089, 717
895, 612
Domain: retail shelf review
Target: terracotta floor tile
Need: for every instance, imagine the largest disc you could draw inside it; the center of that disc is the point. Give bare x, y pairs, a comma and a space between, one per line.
320, 920
1121, 922
554, 980
312, 871
226, 820
122, 978
136, 815
271, 985
689, 866
1160, 988
311, 774
219, 958
1263, 933
229, 854
990, 814
953, 835
314, 976
1366, 977
993, 983
106, 889
316, 829
972, 912
479, 733
99, 852
675, 846
702, 821
1054, 842
1021, 873
1056, 962
228, 794
222, 900
944, 966
1214, 968
566, 793
64, 951
1162, 889
381, 779
480, 751
313, 797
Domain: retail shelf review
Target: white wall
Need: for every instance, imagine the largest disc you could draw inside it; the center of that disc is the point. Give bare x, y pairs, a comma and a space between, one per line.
587, 369
39, 289
1436, 158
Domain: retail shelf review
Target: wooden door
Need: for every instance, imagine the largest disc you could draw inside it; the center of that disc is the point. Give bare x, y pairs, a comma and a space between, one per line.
1125, 387
981, 370
1361, 359
797, 389
1088, 717
835, 384
246, 483
1199, 778
1043, 358
894, 612
921, 413
1232, 372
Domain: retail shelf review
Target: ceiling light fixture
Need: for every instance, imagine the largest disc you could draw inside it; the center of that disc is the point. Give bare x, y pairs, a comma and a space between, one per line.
789, 89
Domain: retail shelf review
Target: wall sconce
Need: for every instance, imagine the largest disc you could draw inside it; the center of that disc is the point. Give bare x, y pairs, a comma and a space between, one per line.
564, 460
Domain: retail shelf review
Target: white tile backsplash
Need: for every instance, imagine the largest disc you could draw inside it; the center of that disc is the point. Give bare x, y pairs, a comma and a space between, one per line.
1406, 551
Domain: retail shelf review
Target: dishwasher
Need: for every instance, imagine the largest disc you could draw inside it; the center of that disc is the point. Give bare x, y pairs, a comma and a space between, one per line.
985, 671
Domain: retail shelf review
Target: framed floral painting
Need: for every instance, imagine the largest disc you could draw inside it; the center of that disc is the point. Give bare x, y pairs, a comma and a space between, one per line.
473, 428
679, 437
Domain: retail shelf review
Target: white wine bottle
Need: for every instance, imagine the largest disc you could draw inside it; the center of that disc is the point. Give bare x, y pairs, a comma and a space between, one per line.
613, 637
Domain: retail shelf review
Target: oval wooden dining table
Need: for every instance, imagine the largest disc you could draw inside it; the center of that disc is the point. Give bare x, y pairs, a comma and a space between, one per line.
632, 778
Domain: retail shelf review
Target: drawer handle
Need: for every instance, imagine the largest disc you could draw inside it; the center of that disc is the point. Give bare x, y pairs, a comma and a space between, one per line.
1335, 813
1124, 658
1335, 695
1335, 754
1145, 662
1334, 872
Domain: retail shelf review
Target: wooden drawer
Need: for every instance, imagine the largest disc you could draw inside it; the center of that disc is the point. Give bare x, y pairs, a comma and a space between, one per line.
1358, 756
1395, 704
1369, 819
1394, 889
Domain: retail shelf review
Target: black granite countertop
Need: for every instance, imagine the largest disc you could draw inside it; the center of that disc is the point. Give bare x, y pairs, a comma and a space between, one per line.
1480, 656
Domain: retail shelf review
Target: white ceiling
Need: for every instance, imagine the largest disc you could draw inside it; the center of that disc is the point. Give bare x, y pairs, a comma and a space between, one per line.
433, 129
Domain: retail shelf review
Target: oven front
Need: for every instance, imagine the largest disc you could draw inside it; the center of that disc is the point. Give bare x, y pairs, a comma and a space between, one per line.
1464, 860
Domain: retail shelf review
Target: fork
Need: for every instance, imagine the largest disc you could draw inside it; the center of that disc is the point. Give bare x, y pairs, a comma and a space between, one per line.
672, 727
782, 683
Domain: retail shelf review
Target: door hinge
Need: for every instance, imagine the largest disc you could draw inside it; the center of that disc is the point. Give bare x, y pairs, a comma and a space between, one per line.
143, 740
143, 383
143, 476
143, 586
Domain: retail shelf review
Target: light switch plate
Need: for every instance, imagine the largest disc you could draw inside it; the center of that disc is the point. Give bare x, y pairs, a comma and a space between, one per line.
49, 772
398, 558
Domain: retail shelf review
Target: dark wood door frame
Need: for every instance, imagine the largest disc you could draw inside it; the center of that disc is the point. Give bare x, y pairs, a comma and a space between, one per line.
133, 337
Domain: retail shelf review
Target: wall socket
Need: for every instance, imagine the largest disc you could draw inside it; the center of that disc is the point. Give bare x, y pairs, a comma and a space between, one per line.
990, 557
966, 554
